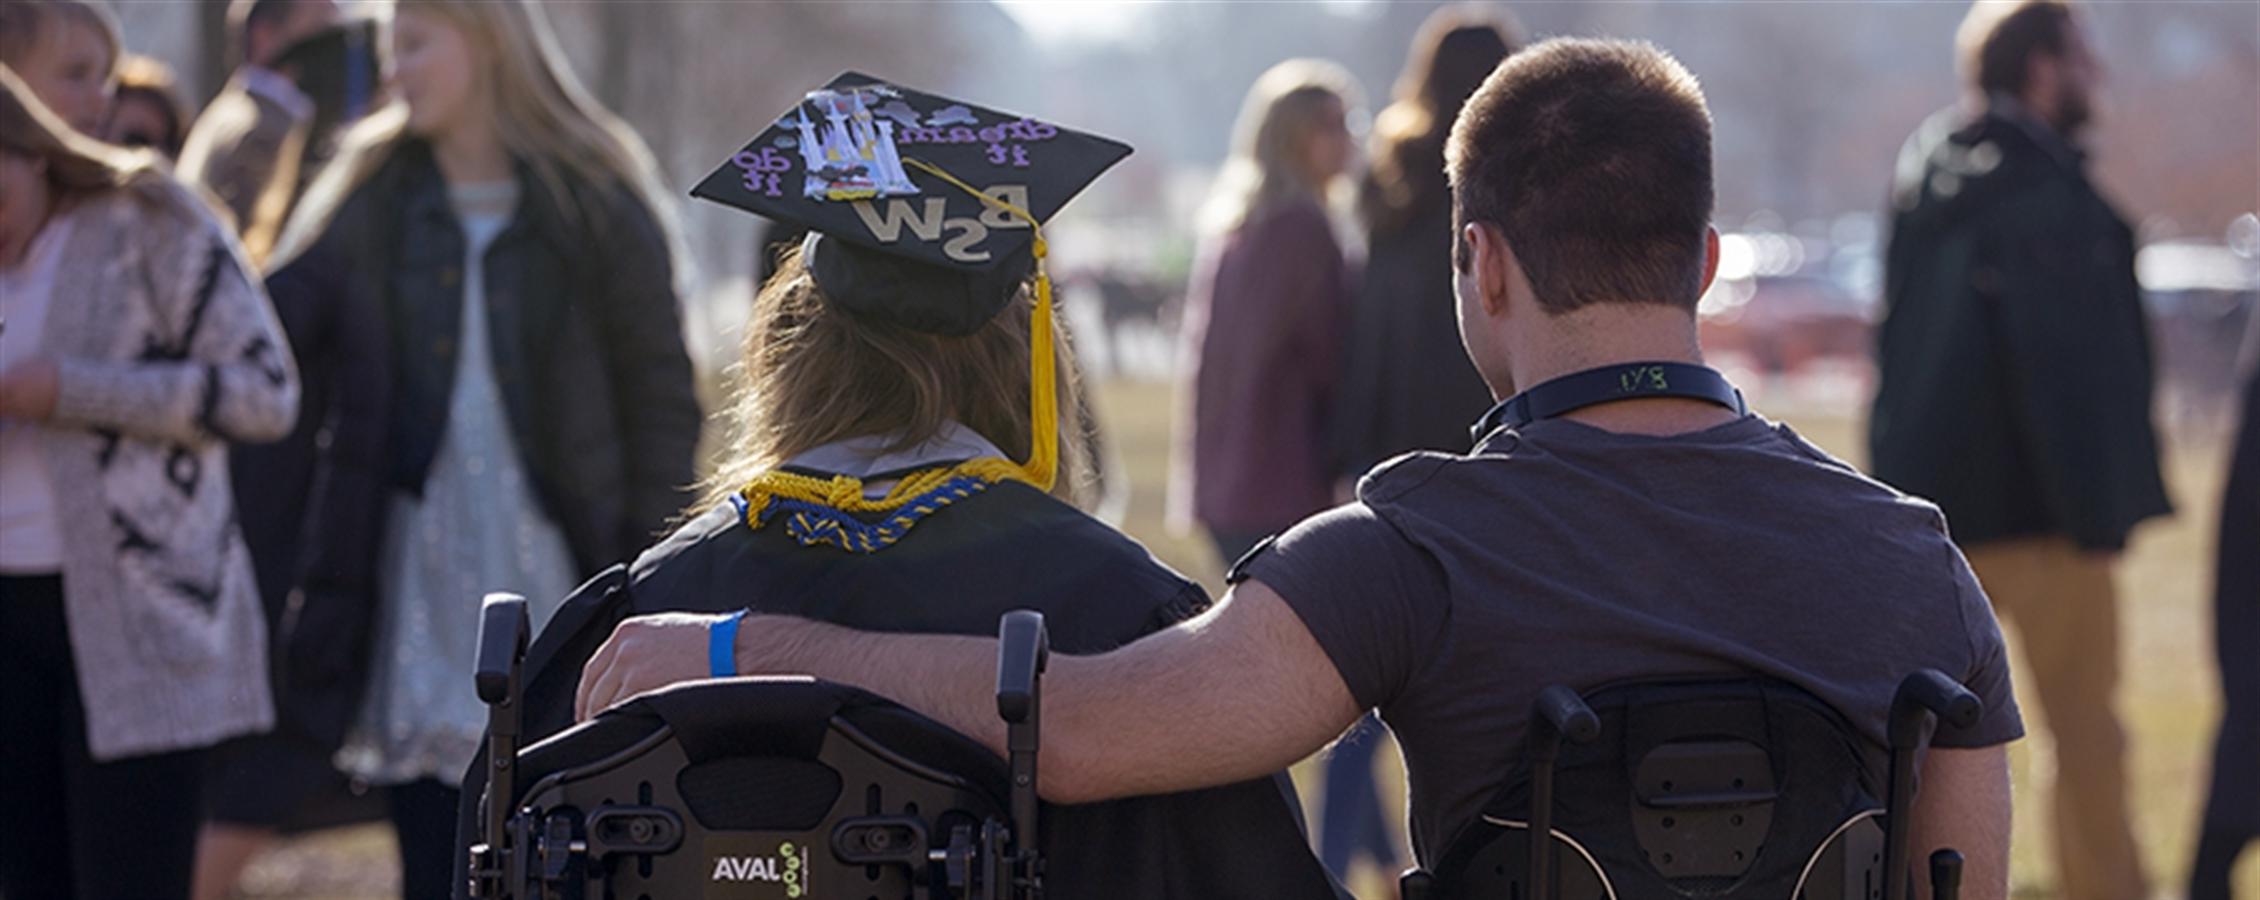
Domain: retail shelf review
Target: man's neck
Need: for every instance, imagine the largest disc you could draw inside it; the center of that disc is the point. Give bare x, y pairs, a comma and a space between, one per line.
1611, 334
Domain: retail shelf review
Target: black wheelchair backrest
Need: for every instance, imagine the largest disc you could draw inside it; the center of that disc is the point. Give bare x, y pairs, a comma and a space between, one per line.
786, 788
1716, 789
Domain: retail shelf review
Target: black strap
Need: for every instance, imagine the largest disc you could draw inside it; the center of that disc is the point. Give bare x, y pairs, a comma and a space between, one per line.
1623, 381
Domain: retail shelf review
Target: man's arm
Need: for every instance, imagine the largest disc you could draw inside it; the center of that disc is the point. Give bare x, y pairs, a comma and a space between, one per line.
1240, 691
1964, 804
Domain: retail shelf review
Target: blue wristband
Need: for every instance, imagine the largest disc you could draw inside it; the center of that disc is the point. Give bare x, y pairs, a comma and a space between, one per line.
722, 645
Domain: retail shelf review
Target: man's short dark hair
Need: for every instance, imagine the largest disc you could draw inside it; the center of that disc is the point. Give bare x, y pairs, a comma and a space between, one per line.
1998, 40
1593, 159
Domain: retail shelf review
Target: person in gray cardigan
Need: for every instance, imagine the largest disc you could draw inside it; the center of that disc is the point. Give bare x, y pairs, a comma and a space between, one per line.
135, 345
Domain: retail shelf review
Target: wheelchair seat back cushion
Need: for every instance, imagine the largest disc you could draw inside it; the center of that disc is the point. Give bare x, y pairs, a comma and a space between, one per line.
1694, 788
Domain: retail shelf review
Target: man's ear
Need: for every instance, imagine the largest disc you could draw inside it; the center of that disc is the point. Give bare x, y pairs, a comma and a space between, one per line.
1491, 264
1710, 260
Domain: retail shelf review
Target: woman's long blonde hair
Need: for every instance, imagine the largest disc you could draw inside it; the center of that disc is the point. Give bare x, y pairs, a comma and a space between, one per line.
545, 119
1280, 113
77, 166
811, 374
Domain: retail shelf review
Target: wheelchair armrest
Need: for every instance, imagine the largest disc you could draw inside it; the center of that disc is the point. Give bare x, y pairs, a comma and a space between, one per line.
1927, 692
502, 646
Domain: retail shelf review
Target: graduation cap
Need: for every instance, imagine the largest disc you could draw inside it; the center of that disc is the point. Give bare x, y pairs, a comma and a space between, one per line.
922, 211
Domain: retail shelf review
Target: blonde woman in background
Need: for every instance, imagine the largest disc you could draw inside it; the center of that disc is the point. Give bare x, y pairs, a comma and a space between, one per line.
485, 273
135, 344
1265, 314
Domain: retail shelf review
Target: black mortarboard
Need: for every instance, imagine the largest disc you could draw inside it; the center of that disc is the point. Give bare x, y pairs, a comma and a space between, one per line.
855, 164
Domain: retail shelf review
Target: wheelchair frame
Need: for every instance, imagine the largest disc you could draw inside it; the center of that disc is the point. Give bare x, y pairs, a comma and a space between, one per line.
527, 853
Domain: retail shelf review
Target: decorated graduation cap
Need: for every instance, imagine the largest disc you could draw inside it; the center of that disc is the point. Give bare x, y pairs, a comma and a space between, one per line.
922, 212
923, 209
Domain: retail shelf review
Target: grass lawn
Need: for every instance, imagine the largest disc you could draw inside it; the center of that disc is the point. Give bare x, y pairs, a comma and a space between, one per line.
2168, 697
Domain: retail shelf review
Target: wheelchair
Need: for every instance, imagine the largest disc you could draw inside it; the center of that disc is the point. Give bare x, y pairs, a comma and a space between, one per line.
786, 788
1713, 789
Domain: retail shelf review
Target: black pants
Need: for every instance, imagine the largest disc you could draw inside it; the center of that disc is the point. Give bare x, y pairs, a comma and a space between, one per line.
423, 815
71, 827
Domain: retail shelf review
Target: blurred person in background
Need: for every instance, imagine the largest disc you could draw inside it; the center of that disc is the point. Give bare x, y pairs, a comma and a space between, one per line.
532, 419
262, 786
2014, 388
247, 144
1264, 316
66, 52
1407, 384
135, 345
147, 111
2232, 807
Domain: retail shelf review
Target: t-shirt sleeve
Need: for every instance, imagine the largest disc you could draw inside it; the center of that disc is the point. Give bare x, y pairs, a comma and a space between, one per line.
1375, 601
1988, 673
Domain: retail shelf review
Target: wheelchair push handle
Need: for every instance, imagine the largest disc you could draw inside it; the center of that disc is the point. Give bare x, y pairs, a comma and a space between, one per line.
1023, 652
1925, 693
1945, 875
503, 624
1557, 713
1561, 708
503, 628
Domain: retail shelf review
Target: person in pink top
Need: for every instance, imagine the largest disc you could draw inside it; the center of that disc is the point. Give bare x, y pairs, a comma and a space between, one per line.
1264, 316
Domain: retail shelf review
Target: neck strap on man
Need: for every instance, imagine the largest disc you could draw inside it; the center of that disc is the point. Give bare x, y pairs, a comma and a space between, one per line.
1623, 381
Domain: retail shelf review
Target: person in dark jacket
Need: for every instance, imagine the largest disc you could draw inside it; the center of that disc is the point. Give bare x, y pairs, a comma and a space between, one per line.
2232, 807
1406, 383
851, 496
2014, 391
485, 273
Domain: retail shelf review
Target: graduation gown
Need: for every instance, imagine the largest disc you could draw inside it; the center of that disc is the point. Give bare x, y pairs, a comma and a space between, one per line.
1010, 547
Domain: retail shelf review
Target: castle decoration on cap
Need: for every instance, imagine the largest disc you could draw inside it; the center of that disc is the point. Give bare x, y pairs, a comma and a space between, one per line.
851, 155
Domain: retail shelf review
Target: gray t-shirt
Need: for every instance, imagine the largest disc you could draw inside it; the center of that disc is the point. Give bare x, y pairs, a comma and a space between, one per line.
1457, 587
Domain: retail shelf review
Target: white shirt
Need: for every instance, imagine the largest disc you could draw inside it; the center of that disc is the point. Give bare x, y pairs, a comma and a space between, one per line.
477, 527
31, 537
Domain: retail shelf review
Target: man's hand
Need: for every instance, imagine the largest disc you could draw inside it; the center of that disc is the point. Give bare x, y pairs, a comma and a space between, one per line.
644, 653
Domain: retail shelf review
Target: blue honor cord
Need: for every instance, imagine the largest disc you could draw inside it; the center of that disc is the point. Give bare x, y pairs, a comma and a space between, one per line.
722, 645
